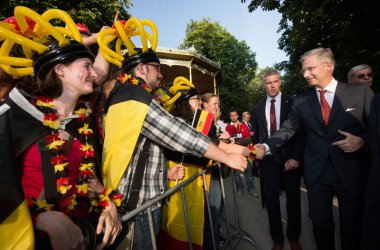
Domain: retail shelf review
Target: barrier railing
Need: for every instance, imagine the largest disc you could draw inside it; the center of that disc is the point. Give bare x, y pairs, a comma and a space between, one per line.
233, 237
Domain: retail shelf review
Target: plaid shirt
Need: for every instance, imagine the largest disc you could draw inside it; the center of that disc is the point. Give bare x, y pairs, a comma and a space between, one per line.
164, 130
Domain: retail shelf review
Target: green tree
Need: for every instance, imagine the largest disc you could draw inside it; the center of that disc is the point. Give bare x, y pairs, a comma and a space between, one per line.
93, 13
237, 61
349, 27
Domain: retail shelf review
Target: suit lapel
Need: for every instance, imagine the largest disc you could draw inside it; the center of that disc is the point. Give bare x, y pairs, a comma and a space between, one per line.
315, 105
284, 108
338, 99
263, 119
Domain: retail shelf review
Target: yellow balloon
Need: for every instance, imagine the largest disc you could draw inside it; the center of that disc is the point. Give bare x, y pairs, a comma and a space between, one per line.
173, 99
181, 79
22, 40
141, 30
21, 12
7, 26
16, 71
16, 61
111, 59
71, 26
118, 46
6, 47
121, 31
27, 52
154, 37
101, 42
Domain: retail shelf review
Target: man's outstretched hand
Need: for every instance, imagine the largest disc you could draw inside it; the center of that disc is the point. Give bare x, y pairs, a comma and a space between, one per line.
260, 151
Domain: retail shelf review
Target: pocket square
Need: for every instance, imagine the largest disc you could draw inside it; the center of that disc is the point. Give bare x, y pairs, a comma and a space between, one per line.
349, 109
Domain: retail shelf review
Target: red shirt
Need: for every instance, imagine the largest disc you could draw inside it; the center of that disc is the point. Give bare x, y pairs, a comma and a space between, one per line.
31, 170
239, 129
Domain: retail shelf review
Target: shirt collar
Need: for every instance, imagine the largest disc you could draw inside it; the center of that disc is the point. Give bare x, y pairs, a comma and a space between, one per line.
277, 98
331, 87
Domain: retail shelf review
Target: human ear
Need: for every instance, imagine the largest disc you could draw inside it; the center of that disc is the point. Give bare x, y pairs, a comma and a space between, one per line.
58, 69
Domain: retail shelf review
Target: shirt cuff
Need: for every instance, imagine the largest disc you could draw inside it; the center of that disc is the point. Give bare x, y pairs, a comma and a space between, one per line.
267, 149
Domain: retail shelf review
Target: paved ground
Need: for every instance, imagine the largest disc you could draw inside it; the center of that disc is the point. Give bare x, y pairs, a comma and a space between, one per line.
254, 221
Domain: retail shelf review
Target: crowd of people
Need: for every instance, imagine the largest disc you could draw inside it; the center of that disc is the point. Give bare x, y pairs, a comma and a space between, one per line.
83, 145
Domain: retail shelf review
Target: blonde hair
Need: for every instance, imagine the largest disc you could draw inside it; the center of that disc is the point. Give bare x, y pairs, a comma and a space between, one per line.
206, 98
324, 55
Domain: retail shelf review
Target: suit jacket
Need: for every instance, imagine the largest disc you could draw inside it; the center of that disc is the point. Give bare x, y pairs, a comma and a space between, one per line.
371, 225
292, 149
349, 113
247, 124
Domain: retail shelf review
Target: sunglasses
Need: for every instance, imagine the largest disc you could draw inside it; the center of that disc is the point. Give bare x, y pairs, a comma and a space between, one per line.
362, 76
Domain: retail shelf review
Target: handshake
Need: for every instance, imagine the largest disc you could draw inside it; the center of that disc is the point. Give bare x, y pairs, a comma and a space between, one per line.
260, 151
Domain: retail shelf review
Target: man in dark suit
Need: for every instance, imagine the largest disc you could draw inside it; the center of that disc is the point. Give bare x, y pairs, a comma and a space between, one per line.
334, 118
246, 119
282, 169
371, 219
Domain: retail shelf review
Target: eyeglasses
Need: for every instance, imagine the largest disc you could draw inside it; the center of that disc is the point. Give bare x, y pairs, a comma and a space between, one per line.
310, 69
156, 66
362, 76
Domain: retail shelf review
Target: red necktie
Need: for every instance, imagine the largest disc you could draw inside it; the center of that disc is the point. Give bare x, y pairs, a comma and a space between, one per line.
272, 118
325, 108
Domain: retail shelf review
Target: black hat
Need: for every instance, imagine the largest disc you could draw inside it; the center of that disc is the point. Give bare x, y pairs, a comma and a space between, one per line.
146, 57
56, 54
186, 95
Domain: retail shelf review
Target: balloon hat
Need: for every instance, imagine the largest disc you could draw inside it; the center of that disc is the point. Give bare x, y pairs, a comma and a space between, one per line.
122, 32
181, 90
31, 31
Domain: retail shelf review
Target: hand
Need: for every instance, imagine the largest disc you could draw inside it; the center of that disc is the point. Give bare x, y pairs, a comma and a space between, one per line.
224, 135
260, 151
63, 233
237, 161
291, 164
109, 224
95, 186
351, 144
177, 172
91, 40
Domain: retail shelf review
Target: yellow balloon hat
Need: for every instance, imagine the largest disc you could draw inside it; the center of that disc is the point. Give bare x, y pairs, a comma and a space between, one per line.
33, 40
182, 89
122, 32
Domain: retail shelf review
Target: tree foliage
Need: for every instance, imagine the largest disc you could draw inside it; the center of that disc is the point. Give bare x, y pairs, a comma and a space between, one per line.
349, 27
93, 13
237, 61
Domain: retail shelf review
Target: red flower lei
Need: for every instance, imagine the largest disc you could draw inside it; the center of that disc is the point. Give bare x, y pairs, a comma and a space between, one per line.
67, 198
253, 151
124, 78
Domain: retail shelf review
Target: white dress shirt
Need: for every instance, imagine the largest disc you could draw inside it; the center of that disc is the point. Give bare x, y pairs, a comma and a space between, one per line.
277, 107
330, 92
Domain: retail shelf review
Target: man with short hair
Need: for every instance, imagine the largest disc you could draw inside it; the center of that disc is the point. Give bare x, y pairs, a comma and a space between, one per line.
360, 74
282, 169
137, 129
246, 119
240, 132
334, 117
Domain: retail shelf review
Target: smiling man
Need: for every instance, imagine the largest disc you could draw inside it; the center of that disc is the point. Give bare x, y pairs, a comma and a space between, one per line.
334, 117
281, 170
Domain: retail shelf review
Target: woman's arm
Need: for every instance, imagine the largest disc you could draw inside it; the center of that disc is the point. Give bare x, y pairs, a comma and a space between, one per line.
63, 233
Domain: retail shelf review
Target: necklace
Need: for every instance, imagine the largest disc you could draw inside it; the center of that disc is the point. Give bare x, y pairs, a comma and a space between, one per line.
69, 195
126, 78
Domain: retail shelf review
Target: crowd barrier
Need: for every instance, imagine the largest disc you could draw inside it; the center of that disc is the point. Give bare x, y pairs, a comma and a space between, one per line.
235, 234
